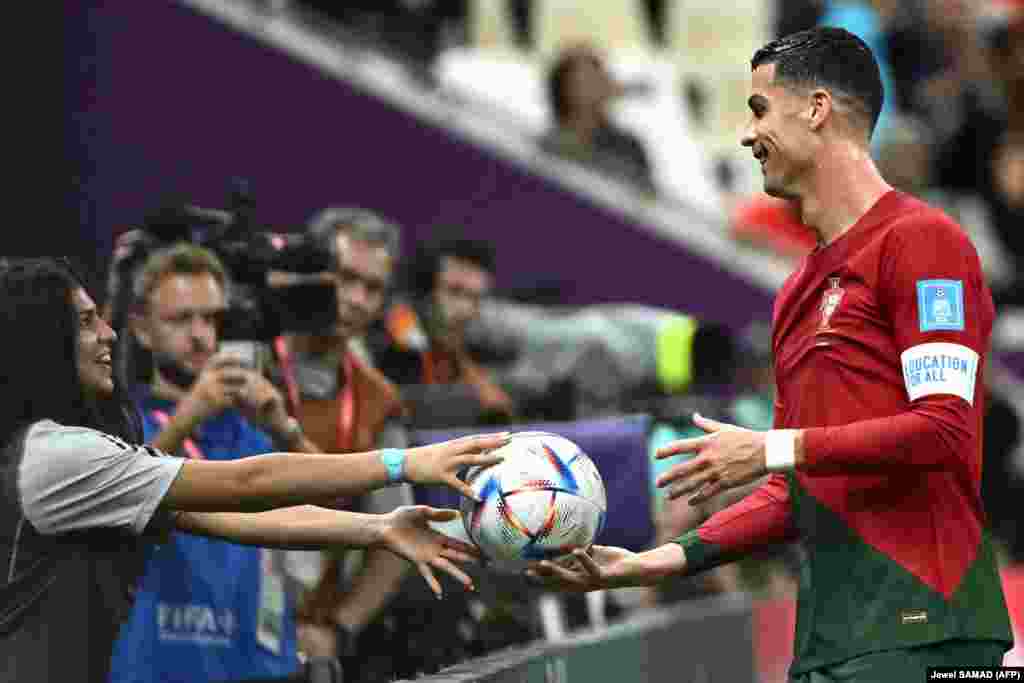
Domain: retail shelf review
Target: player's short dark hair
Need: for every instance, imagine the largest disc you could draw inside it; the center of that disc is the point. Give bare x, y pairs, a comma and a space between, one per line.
429, 259
832, 58
39, 355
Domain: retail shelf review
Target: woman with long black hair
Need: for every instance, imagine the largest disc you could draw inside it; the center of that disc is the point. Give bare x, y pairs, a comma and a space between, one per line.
81, 502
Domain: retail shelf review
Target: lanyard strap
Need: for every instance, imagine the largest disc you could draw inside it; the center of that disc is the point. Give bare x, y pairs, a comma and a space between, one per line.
284, 358
345, 428
347, 404
192, 450
438, 367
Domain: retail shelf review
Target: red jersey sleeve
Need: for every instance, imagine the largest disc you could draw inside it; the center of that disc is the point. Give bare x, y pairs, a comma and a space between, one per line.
930, 289
760, 520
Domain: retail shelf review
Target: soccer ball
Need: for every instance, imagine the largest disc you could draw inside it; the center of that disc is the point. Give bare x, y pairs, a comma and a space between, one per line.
545, 499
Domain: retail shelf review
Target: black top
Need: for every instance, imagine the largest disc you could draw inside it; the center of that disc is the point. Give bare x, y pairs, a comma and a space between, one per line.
78, 511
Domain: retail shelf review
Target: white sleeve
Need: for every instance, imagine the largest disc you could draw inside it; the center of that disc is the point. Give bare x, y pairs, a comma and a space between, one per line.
74, 478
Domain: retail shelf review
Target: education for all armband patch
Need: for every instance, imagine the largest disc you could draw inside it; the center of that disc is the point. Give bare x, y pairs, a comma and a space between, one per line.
940, 368
940, 305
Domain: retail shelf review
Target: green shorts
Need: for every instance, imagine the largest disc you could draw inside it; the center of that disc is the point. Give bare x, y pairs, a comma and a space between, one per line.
909, 665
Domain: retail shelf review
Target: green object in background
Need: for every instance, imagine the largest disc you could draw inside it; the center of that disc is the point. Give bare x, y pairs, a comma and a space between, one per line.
754, 411
674, 353
661, 435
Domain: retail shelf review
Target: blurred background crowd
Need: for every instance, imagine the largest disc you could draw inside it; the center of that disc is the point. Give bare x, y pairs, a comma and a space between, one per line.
384, 293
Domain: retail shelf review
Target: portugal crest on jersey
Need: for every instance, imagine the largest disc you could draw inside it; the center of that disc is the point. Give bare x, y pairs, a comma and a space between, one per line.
829, 303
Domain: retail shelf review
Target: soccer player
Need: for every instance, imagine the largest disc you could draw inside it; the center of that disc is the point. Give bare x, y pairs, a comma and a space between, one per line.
81, 503
879, 340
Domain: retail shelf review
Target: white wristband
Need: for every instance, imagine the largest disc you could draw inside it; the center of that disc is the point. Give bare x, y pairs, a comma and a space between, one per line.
780, 450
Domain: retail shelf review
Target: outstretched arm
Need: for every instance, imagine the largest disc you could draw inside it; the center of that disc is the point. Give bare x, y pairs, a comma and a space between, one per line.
759, 520
404, 532
265, 482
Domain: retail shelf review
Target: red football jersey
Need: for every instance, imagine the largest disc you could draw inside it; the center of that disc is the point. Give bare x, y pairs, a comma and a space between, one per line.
879, 341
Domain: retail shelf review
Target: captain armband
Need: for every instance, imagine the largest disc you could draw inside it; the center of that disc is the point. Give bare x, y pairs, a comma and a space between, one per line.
940, 368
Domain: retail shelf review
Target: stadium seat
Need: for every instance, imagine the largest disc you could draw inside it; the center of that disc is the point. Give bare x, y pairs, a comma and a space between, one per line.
710, 33
489, 28
712, 42
616, 25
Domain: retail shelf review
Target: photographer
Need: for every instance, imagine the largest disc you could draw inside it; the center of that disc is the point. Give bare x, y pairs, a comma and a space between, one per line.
83, 505
181, 293
423, 339
346, 404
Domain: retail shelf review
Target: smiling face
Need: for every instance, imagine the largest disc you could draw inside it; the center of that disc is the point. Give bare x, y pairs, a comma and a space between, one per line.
779, 133
95, 344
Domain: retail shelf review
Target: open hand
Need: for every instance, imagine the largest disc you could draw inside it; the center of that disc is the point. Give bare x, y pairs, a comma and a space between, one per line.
406, 533
588, 570
440, 463
726, 457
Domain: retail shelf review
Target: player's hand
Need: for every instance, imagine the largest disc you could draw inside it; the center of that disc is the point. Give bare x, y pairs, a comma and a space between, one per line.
217, 388
440, 463
598, 568
726, 457
604, 566
406, 532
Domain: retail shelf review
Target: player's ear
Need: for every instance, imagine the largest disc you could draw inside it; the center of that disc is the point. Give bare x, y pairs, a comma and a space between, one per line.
820, 108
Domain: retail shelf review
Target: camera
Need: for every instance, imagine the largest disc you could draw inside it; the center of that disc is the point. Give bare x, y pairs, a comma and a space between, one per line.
276, 276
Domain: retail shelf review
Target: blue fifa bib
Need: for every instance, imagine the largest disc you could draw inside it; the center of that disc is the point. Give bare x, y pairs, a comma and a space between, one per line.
198, 610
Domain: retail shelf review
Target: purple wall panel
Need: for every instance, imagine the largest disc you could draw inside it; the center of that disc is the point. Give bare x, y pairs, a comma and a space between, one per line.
187, 103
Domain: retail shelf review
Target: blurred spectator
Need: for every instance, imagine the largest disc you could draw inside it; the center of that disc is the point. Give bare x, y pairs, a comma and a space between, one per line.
934, 51
867, 19
423, 338
346, 405
985, 154
580, 90
202, 405
1002, 479
938, 58
906, 154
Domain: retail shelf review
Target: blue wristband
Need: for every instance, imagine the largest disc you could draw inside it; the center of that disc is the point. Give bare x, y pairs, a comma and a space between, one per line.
394, 460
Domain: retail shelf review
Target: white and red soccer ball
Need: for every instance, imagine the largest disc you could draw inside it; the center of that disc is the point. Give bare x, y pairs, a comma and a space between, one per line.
544, 500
